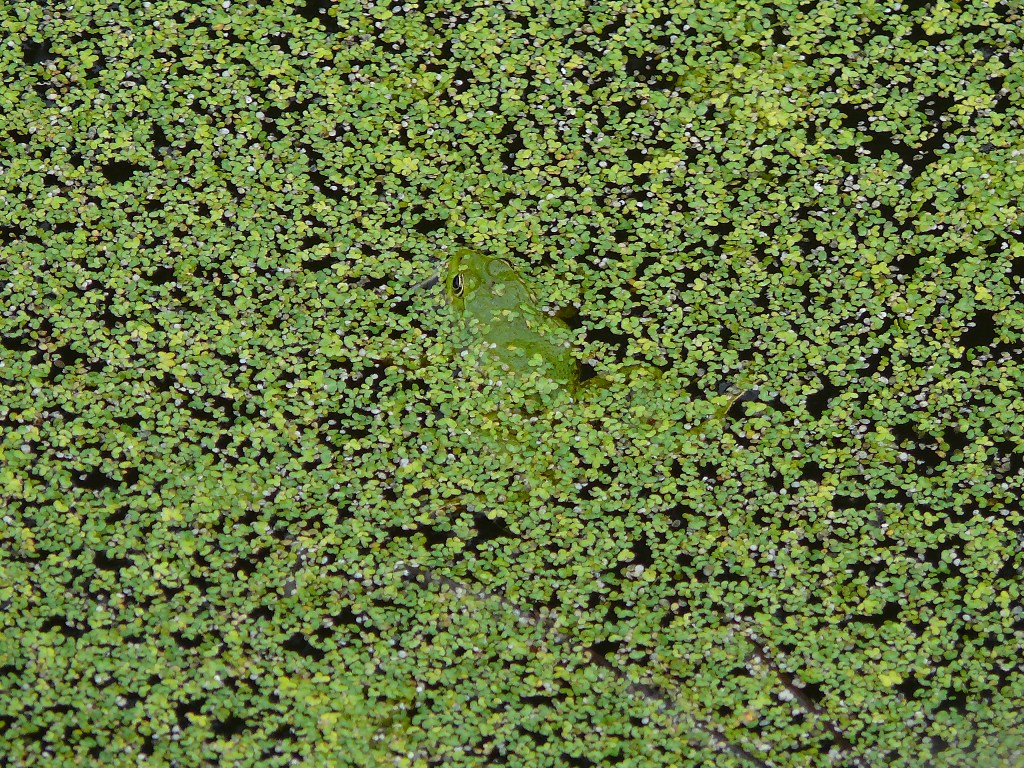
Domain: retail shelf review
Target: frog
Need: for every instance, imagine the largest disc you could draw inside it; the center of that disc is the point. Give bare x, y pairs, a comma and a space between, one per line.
500, 309
504, 331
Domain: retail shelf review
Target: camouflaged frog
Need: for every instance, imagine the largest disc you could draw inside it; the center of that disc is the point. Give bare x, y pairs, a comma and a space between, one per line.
499, 308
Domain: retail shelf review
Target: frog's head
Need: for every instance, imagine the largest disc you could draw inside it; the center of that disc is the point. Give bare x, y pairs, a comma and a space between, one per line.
474, 278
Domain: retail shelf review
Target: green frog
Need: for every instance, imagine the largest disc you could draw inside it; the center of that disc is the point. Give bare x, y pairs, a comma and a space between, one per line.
504, 333
505, 326
499, 309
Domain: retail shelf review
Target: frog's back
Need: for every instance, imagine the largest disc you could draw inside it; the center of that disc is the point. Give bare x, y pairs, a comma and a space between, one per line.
536, 349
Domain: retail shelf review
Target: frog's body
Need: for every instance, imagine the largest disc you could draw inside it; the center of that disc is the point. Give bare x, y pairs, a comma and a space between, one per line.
500, 309
504, 332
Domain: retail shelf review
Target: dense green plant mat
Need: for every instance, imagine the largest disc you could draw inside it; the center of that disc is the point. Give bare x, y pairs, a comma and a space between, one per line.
259, 508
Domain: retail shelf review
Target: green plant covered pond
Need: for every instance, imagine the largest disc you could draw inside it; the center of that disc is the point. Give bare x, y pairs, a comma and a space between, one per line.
532, 384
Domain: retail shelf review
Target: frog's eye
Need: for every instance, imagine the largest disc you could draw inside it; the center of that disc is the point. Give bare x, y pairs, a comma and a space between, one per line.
457, 284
